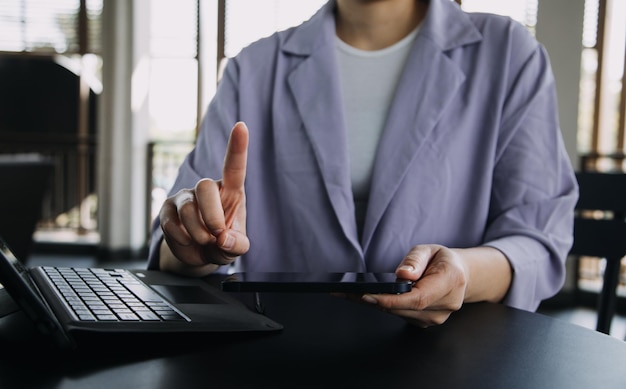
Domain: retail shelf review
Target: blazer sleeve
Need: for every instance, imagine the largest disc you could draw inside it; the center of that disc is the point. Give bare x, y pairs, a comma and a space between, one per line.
534, 186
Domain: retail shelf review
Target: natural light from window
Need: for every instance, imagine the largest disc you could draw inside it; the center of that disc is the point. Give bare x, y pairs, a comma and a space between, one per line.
524, 11
247, 21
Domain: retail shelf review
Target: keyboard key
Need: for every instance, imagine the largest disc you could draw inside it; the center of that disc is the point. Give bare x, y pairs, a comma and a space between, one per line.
110, 295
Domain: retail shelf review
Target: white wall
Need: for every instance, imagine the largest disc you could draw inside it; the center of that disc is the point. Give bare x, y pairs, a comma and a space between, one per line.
560, 29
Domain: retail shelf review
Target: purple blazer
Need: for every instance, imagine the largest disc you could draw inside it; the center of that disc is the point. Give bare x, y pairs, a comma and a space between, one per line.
471, 153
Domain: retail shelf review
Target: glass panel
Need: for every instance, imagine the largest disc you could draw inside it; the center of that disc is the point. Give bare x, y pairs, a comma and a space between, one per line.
524, 11
590, 23
94, 25
587, 97
588, 70
51, 26
173, 28
173, 98
36, 25
249, 20
11, 26
173, 90
613, 69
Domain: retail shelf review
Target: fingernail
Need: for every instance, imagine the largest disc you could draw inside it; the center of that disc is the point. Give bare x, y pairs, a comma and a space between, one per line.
408, 268
229, 242
369, 299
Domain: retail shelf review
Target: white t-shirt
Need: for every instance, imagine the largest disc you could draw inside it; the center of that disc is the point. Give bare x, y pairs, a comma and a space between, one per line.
368, 81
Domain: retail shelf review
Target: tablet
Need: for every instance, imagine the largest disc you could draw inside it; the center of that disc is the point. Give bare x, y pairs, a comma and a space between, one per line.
349, 282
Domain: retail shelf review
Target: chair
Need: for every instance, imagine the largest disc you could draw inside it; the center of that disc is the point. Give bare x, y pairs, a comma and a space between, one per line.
600, 231
25, 181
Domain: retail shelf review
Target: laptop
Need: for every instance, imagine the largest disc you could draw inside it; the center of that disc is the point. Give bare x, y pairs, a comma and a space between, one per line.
69, 303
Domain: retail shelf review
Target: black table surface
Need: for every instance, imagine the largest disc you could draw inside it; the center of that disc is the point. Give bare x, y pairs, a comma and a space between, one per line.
330, 342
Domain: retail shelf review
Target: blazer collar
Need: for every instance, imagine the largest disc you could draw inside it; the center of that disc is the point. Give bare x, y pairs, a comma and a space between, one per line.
317, 32
447, 26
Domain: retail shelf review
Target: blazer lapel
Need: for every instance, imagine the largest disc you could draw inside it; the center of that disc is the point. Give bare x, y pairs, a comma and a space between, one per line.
429, 82
315, 86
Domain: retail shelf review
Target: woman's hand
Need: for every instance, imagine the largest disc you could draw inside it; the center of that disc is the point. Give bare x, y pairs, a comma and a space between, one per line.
445, 279
205, 226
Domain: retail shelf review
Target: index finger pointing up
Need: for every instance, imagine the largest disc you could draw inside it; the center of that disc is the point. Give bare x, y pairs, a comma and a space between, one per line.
234, 170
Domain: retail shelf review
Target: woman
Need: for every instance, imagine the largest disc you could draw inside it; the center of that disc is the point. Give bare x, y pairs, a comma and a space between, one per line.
392, 135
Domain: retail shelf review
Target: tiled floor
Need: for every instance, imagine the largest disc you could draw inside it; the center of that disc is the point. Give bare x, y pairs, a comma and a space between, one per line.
582, 316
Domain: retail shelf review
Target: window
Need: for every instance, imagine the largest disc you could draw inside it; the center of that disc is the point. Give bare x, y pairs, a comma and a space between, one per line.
262, 18
49, 26
57, 44
173, 69
603, 96
523, 11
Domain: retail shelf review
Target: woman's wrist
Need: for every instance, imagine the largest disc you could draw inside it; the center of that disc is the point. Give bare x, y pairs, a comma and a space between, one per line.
489, 274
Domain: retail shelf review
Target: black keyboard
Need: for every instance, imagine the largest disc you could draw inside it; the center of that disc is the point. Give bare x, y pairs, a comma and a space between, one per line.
109, 295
